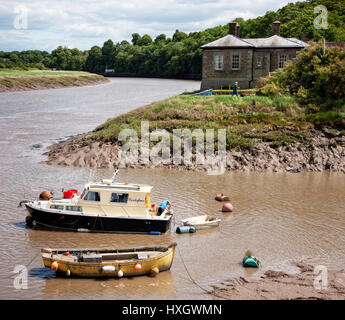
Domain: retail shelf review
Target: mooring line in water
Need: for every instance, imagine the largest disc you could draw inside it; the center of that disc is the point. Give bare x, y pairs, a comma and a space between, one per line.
192, 280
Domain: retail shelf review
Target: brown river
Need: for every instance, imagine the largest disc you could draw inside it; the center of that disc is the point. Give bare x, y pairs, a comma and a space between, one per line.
281, 217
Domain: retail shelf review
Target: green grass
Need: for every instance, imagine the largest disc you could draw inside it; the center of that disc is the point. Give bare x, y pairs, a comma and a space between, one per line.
39, 73
279, 121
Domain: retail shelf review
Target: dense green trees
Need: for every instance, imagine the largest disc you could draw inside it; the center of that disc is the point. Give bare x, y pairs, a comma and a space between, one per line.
181, 54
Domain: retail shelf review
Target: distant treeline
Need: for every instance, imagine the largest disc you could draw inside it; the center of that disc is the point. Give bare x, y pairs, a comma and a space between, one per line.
180, 54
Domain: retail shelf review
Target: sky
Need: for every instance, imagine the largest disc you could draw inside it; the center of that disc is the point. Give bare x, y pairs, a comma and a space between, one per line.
46, 24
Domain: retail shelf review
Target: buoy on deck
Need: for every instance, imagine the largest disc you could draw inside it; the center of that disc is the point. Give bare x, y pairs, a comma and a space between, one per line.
66, 253
68, 273
46, 195
185, 229
154, 271
120, 274
54, 266
227, 207
137, 267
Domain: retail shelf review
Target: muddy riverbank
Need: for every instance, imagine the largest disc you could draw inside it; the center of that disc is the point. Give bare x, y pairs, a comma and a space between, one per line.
40, 80
325, 153
278, 285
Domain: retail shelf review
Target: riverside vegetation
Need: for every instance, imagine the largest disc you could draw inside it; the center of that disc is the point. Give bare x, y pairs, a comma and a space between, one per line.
296, 125
17, 80
180, 54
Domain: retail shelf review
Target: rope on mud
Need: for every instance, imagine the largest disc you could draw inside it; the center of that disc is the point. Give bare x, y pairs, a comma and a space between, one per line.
192, 280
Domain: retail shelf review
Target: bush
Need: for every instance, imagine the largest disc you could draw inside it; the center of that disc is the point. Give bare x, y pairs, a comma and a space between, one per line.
316, 78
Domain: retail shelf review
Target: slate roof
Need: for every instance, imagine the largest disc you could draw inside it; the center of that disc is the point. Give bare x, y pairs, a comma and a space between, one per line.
275, 41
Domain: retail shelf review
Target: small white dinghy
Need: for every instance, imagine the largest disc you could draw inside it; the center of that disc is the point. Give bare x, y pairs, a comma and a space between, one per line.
200, 222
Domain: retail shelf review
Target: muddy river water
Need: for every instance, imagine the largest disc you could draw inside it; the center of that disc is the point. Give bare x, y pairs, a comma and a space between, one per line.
281, 217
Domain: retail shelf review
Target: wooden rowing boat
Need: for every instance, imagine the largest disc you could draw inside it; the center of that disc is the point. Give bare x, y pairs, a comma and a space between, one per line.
200, 222
109, 262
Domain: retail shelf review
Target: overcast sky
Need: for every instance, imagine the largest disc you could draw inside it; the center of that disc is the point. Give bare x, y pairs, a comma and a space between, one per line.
46, 24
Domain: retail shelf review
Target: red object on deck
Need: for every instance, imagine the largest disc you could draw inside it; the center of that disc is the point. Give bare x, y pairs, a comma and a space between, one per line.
69, 194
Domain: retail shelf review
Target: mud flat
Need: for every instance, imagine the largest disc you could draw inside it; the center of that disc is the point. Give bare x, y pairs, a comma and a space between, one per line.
327, 153
13, 80
277, 285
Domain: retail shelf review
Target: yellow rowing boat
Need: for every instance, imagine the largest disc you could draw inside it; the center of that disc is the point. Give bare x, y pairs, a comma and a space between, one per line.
109, 262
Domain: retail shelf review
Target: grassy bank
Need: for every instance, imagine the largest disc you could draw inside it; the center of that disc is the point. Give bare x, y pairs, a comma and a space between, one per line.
280, 121
18, 80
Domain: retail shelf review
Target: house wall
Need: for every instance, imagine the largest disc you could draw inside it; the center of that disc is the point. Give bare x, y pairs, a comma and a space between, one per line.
218, 79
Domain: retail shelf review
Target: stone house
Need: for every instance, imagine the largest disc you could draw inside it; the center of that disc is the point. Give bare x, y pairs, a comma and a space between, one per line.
231, 58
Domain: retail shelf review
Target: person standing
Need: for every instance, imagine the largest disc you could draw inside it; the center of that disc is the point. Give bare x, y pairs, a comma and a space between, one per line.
235, 88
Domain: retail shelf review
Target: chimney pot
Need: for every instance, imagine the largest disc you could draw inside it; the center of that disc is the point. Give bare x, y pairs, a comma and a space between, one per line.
233, 28
238, 31
276, 28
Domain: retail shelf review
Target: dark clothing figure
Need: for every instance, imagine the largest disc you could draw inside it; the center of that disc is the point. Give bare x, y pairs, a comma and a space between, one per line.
234, 89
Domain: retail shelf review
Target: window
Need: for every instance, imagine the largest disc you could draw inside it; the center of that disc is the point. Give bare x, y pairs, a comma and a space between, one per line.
282, 60
235, 62
57, 207
119, 197
74, 208
218, 62
92, 196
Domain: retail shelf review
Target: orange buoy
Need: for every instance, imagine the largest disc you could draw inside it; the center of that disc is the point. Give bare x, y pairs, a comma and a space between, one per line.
227, 207
222, 197
54, 266
46, 195
137, 267
154, 271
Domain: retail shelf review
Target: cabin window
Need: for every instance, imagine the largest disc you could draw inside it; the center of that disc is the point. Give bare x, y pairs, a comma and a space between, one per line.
74, 208
218, 62
57, 207
119, 197
282, 60
235, 62
92, 196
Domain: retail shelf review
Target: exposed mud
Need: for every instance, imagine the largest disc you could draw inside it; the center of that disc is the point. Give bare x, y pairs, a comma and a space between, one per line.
277, 285
325, 152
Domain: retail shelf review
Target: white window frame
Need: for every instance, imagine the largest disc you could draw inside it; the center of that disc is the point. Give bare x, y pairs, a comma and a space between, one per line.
218, 64
283, 58
238, 63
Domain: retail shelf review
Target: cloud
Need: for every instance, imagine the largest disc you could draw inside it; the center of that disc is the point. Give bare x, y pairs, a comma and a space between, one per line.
84, 23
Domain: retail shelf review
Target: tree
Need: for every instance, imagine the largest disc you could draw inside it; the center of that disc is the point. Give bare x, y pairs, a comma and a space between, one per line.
93, 61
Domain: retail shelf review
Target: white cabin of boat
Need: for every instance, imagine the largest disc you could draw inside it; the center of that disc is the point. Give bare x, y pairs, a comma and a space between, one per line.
107, 198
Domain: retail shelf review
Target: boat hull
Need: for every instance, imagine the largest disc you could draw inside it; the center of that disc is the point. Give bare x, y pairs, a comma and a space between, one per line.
162, 262
90, 223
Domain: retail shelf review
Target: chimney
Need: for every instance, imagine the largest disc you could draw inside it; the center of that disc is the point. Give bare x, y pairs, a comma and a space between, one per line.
233, 28
304, 37
276, 28
238, 31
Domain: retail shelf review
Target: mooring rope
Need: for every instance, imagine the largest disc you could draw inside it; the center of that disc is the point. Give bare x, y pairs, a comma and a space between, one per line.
192, 280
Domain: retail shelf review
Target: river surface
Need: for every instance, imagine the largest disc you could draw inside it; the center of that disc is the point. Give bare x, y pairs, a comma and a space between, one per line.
281, 217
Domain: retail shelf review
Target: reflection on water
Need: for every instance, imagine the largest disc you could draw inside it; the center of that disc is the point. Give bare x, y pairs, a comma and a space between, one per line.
280, 217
